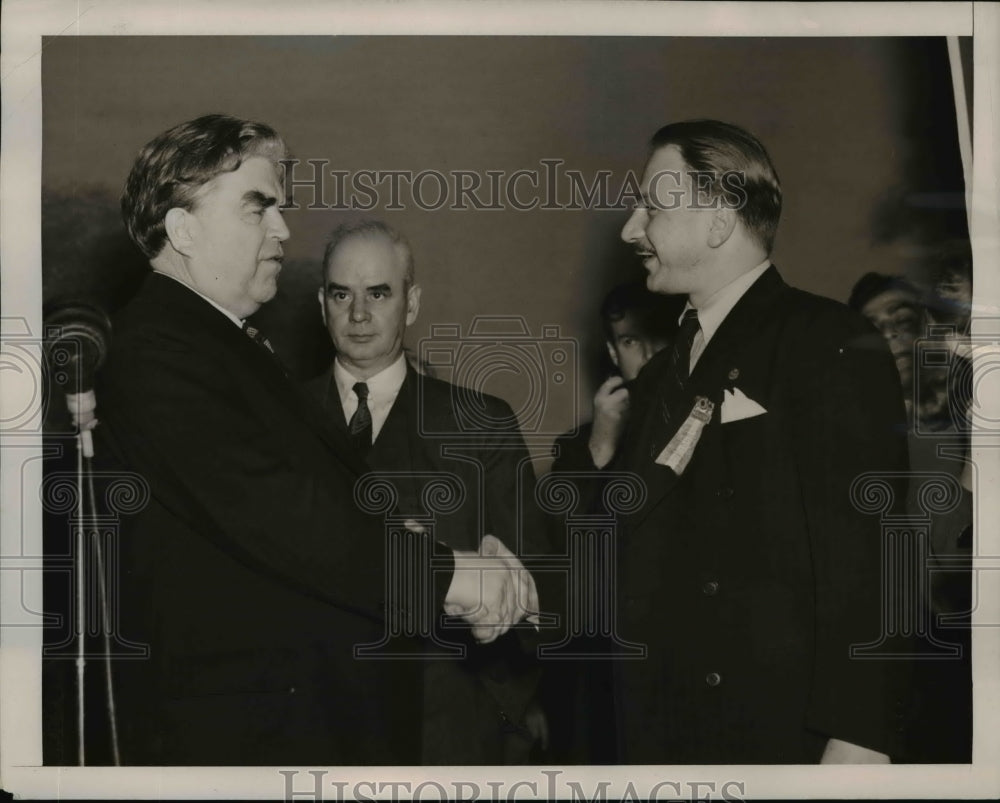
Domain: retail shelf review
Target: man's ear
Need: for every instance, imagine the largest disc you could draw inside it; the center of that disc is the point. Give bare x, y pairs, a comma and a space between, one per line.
721, 226
181, 227
321, 296
412, 304
611, 352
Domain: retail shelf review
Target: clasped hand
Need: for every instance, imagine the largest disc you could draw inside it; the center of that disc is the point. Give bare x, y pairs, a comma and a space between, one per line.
491, 590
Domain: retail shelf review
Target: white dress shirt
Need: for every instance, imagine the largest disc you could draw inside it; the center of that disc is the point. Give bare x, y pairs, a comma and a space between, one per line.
717, 306
383, 388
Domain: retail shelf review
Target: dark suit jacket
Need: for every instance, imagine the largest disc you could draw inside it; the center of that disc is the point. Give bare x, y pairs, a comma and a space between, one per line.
425, 433
251, 573
750, 576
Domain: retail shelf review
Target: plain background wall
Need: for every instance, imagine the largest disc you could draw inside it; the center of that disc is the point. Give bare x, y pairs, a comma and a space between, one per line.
853, 125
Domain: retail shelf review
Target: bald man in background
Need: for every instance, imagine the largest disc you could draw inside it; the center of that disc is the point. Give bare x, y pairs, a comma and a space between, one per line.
413, 426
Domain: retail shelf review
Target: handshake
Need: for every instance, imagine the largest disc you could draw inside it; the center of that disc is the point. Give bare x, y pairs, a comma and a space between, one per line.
491, 590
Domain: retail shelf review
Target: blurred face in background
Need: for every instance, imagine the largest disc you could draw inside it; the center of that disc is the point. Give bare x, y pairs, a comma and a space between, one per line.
899, 317
955, 290
630, 347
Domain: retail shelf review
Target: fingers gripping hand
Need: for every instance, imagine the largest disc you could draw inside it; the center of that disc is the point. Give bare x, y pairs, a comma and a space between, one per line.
489, 591
525, 592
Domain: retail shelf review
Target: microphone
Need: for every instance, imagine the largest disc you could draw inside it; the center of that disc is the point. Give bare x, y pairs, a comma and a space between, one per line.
76, 343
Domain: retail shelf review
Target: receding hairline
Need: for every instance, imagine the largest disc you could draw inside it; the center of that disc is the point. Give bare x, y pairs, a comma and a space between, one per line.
401, 246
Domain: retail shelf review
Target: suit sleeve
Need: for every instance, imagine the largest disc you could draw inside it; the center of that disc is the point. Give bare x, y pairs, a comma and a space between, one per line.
266, 492
851, 422
574, 452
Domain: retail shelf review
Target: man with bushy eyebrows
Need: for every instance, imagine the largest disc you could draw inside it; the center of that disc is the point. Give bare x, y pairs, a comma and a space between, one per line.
252, 574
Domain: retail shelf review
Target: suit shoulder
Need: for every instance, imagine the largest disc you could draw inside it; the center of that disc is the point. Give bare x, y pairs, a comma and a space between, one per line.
820, 317
440, 391
317, 386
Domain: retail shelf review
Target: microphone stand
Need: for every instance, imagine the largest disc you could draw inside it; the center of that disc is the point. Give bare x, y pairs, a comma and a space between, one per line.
81, 597
81, 407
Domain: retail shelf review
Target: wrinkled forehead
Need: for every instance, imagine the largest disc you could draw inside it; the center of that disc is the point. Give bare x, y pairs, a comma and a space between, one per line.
256, 175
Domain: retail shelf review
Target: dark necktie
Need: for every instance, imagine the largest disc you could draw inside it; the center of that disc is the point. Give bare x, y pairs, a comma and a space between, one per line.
681, 357
679, 368
257, 337
360, 425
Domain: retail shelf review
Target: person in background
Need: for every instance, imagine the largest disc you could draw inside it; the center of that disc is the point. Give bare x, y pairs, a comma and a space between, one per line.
940, 730
637, 324
895, 308
410, 425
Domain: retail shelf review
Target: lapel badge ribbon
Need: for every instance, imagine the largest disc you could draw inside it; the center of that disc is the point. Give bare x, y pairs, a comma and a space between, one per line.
677, 454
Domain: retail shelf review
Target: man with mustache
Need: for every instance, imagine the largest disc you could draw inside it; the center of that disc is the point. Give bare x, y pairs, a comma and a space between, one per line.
252, 574
748, 572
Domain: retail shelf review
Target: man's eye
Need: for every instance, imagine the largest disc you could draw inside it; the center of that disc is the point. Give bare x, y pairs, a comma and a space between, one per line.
339, 295
378, 294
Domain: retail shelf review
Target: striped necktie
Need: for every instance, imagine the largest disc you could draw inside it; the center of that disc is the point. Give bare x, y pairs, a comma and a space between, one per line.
257, 337
360, 425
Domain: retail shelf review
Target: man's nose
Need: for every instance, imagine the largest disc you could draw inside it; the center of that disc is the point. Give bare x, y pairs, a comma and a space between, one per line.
277, 228
359, 310
634, 227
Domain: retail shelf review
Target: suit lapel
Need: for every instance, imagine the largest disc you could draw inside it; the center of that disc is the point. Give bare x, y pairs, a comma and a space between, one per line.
391, 449
267, 382
717, 368
737, 330
332, 405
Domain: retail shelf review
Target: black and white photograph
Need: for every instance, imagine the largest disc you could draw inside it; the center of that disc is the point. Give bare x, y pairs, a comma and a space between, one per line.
499, 400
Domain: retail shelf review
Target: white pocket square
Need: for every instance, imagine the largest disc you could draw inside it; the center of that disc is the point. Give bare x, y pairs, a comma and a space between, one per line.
736, 406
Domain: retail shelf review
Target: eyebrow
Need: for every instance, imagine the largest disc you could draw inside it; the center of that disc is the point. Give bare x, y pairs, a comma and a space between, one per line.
257, 198
333, 287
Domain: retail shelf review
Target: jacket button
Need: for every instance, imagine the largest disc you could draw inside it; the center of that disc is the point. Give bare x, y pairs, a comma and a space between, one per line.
710, 589
724, 493
713, 678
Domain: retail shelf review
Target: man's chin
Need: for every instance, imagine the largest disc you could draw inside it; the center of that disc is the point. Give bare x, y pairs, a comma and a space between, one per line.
266, 293
660, 281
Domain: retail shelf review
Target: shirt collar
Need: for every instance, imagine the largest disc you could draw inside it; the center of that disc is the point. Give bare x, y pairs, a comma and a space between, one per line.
385, 383
221, 309
717, 306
